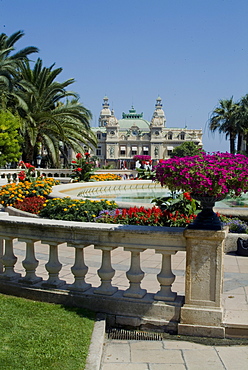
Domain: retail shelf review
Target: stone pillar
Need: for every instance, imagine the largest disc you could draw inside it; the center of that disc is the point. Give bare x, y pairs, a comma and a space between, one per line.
79, 269
202, 313
9, 260
106, 272
30, 263
165, 278
53, 267
135, 275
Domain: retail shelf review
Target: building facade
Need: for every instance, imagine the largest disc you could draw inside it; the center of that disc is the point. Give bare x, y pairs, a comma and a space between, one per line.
120, 140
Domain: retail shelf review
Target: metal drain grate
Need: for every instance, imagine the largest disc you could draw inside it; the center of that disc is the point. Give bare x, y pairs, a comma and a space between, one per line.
124, 334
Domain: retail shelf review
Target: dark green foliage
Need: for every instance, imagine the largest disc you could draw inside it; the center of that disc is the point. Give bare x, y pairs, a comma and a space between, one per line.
186, 149
9, 138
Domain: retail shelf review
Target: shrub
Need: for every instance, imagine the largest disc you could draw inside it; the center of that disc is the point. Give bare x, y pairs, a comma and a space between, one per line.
182, 203
74, 209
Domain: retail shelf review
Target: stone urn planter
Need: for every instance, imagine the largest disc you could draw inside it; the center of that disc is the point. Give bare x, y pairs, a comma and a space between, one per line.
207, 219
208, 178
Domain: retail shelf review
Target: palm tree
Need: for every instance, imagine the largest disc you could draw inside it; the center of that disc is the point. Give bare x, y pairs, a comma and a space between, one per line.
243, 123
9, 63
54, 115
225, 118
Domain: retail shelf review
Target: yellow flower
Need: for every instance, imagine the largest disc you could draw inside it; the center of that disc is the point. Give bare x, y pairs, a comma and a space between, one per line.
65, 209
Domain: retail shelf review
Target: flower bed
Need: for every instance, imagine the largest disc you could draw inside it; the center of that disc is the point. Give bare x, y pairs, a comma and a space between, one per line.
105, 177
17, 192
31, 204
74, 209
147, 217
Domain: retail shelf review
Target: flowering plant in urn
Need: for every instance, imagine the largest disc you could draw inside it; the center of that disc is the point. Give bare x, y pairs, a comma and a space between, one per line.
208, 177
216, 174
83, 167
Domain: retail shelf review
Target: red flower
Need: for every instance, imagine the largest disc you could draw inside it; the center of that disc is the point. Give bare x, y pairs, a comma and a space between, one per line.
28, 165
87, 155
187, 196
79, 155
73, 161
21, 175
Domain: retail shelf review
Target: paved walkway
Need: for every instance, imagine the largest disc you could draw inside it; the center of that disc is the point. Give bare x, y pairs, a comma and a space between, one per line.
171, 354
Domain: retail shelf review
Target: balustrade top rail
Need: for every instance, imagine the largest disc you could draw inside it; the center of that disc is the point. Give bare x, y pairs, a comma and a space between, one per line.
86, 233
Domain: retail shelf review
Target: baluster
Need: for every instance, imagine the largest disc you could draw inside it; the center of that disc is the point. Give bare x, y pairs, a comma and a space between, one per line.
135, 275
9, 260
30, 263
79, 270
53, 267
1, 254
106, 272
165, 278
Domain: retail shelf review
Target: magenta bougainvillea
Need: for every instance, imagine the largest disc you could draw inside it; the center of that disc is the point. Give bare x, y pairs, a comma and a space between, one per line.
142, 157
216, 174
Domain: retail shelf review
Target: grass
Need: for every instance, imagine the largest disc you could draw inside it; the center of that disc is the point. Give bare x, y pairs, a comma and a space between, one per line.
40, 336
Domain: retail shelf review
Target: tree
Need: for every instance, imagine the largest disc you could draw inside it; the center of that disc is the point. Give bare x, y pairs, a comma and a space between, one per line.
243, 123
9, 138
225, 118
54, 115
9, 64
188, 148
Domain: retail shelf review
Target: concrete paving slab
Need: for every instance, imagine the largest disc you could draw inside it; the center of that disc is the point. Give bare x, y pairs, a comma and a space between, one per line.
146, 345
174, 344
203, 359
234, 357
168, 366
125, 366
117, 352
156, 356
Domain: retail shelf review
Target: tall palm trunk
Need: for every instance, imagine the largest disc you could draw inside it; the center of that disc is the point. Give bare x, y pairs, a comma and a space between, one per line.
232, 143
240, 140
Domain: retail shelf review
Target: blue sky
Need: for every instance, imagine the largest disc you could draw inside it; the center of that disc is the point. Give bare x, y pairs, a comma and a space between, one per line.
190, 52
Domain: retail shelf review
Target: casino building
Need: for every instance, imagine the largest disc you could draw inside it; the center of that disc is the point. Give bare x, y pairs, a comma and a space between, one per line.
120, 140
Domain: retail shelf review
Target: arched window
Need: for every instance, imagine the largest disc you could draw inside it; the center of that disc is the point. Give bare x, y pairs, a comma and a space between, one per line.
182, 136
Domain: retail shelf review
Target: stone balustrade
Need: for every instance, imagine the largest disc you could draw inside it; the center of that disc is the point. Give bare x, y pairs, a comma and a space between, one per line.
133, 306
10, 174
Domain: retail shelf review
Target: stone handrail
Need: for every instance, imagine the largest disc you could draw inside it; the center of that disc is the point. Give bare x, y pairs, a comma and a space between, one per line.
11, 174
133, 306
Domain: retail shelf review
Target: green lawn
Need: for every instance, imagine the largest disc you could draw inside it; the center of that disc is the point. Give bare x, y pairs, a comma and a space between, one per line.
39, 336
